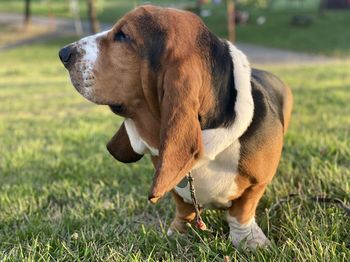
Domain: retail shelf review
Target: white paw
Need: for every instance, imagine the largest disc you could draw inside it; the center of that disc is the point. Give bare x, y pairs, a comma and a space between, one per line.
249, 234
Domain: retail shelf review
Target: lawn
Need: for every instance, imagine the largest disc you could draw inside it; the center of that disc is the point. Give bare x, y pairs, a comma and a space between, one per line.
63, 197
328, 34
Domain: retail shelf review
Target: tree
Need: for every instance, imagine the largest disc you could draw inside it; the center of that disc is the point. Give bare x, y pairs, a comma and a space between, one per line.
75, 10
27, 14
94, 25
231, 25
322, 6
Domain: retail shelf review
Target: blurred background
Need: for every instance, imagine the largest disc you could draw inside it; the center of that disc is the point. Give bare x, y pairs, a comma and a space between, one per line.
314, 26
62, 196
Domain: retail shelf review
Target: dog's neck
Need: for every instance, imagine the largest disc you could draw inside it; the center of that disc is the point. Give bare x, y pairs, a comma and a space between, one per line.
218, 139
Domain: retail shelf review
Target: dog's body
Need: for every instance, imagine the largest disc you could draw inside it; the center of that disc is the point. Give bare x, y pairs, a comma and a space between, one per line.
216, 175
192, 102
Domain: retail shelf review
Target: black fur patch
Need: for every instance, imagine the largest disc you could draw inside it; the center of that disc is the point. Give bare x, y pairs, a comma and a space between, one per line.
154, 38
260, 111
268, 106
274, 91
217, 54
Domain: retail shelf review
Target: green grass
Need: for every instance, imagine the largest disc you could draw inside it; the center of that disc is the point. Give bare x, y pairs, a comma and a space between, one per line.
328, 35
63, 197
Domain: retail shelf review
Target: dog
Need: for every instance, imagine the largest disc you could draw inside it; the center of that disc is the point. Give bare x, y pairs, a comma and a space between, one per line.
191, 101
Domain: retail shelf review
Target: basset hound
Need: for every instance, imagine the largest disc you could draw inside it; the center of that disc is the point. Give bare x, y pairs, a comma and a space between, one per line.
191, 101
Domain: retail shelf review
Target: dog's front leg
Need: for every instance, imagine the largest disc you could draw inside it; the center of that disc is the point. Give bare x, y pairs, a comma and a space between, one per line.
185, 213
240, 217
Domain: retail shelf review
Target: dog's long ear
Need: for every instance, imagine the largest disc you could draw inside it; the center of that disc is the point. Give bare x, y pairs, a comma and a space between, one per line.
180, 134
120, 148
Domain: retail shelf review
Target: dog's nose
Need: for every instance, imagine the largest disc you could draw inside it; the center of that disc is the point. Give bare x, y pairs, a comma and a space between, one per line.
65, 55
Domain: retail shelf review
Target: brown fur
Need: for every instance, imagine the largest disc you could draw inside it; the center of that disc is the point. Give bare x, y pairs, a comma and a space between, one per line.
165, 104
243, 208
164, 93
180, 133
261, 165
153, 105
257, 166
185, 213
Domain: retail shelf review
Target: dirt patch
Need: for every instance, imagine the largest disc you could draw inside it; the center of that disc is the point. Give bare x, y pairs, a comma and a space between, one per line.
10, 34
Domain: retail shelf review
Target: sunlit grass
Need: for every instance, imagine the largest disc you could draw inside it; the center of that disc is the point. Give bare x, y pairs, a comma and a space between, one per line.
62, 196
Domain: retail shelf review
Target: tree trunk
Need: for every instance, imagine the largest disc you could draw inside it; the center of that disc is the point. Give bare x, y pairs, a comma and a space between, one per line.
52, 20
198, 7
94, 26
27, 14
75, 10
231, 24
322, 7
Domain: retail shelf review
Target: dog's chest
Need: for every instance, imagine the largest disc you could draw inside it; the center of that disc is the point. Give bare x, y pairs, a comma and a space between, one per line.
215, 173
214, 180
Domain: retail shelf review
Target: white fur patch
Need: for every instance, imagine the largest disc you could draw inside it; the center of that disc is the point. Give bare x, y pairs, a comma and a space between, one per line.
249, 234
218, 139
214, 180
137, 143
88, 46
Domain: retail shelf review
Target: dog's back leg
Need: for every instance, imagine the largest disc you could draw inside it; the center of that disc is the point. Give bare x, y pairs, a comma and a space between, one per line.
240, 218
258, 164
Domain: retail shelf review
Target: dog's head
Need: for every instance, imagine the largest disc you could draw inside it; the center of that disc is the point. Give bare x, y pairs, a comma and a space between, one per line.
154, 62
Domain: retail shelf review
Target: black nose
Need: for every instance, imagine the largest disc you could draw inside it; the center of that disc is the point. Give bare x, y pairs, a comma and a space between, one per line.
65, 55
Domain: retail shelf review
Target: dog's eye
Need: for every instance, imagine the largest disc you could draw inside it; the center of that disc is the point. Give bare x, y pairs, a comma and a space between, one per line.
121, 37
